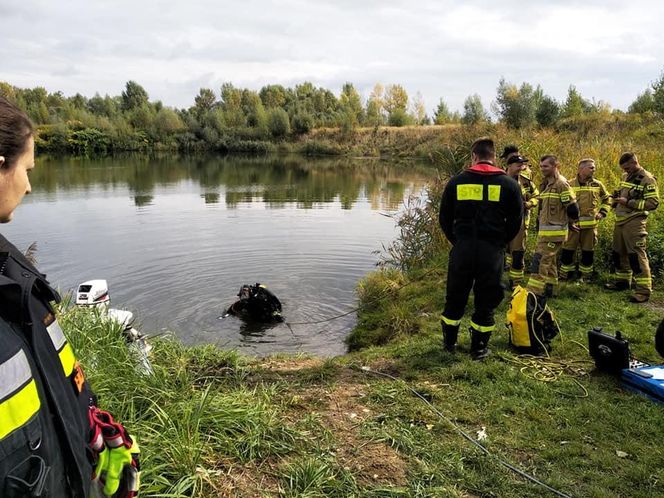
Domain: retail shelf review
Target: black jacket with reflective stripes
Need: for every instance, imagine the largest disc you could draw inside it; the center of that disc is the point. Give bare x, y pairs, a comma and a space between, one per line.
481, 202
43, 400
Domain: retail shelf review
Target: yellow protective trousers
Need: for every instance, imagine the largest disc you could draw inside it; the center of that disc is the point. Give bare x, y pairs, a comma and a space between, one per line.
629, 255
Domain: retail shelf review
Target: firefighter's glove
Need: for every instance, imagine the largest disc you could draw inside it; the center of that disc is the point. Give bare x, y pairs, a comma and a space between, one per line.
118, 468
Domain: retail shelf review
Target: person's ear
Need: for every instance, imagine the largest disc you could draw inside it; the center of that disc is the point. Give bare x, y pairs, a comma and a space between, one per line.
2, 162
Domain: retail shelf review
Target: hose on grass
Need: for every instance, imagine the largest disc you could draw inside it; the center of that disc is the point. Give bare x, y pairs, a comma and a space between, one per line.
481, 447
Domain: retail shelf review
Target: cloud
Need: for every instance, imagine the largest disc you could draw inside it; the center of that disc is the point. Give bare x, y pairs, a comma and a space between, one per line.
610, 50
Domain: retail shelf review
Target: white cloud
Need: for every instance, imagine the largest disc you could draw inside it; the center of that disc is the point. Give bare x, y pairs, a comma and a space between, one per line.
610, 50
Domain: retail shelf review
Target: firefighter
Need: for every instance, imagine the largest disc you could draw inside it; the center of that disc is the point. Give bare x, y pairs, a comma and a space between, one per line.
558, 210
481, 211
594, 203
516, 249
54, 441
635, 198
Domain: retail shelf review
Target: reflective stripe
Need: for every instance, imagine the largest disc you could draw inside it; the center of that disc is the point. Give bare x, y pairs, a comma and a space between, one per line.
550, 195
592, 222
548, 232
567, 268
631, 186
585, 269
20, 403
536, 283
585, 189
469, 192
651, 195
494, 193
57, 336
19, 409
642, 280
67, 358
631, 215
449, 321
482, 328
14, 373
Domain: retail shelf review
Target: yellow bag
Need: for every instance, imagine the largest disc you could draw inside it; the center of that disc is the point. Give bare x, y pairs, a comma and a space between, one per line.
531, 324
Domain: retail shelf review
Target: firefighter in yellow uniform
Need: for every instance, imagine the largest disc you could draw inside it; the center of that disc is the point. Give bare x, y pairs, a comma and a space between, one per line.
594, 203
516, 249
558, 210
637, 195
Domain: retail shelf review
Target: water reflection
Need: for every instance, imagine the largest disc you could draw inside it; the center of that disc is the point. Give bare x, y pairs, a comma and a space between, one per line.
276, 182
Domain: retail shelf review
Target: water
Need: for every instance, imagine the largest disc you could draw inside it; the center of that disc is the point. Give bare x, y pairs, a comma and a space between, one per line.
176, 237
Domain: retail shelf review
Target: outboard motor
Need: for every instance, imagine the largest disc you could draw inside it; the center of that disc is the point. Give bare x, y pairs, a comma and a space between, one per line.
94, 293
256, 303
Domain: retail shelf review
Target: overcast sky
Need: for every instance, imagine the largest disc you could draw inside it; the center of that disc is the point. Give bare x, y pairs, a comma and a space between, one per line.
610, 50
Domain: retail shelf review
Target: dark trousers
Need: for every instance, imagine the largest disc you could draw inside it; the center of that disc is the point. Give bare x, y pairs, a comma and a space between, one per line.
477, 265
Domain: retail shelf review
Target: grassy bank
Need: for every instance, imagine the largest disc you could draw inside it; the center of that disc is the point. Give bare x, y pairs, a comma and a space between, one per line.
213, 423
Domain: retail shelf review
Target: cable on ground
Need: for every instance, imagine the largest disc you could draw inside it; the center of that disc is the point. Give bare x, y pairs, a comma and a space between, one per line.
484, 450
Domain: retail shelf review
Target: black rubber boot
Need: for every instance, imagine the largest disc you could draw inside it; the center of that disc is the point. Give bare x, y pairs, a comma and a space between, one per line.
450, 333
479, 342
548, 290
618, 285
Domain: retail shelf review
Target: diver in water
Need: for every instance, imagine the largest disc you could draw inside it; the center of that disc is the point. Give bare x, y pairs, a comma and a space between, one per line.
256, 303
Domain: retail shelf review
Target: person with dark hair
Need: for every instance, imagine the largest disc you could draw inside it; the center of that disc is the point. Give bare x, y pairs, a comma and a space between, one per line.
637, 196
54, 441
480, 212
558, 210
594, 203
516, 249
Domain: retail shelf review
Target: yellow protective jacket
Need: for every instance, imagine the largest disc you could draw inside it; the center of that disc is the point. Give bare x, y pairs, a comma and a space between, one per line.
640, 190
557, 208
529, 193
592, 198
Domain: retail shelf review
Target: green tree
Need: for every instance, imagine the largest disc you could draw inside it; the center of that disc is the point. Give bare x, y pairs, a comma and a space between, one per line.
473, 111
575, 105
273, 96
134, 96
442, 114
350, 104
167, 122
395, 98
516, 107
204, 101
231, 104
645, 102
658, 95
548, 111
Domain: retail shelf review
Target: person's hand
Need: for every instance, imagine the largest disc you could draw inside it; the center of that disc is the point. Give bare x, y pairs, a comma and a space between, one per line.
574, 227
620, 200
600, 216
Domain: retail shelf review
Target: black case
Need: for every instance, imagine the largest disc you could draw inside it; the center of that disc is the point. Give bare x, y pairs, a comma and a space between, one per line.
611, 354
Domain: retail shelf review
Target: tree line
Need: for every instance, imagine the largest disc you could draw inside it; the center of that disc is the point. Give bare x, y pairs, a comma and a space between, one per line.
242, 119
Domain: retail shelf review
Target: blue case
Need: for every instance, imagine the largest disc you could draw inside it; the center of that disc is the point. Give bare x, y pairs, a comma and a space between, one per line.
641, 381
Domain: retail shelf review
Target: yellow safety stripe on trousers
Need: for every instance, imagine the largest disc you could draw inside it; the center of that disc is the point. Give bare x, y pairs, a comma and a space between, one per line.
482, 328
551, 280
587, 223
474, 192
567, 267
551, 230
623, 275
642, 280
67, 358
536, 283
18, 391
586, 269
514, 274
449, 321
651, 195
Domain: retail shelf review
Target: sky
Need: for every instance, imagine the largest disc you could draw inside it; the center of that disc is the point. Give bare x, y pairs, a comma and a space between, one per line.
610, 50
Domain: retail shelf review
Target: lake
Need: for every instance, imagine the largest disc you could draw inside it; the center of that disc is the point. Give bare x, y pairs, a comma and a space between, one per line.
176, 237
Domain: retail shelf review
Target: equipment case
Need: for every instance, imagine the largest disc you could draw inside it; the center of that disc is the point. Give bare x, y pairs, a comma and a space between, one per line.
647, 380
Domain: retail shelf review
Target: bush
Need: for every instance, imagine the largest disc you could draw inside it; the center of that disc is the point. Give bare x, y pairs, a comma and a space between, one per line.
278, 123
303, 122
